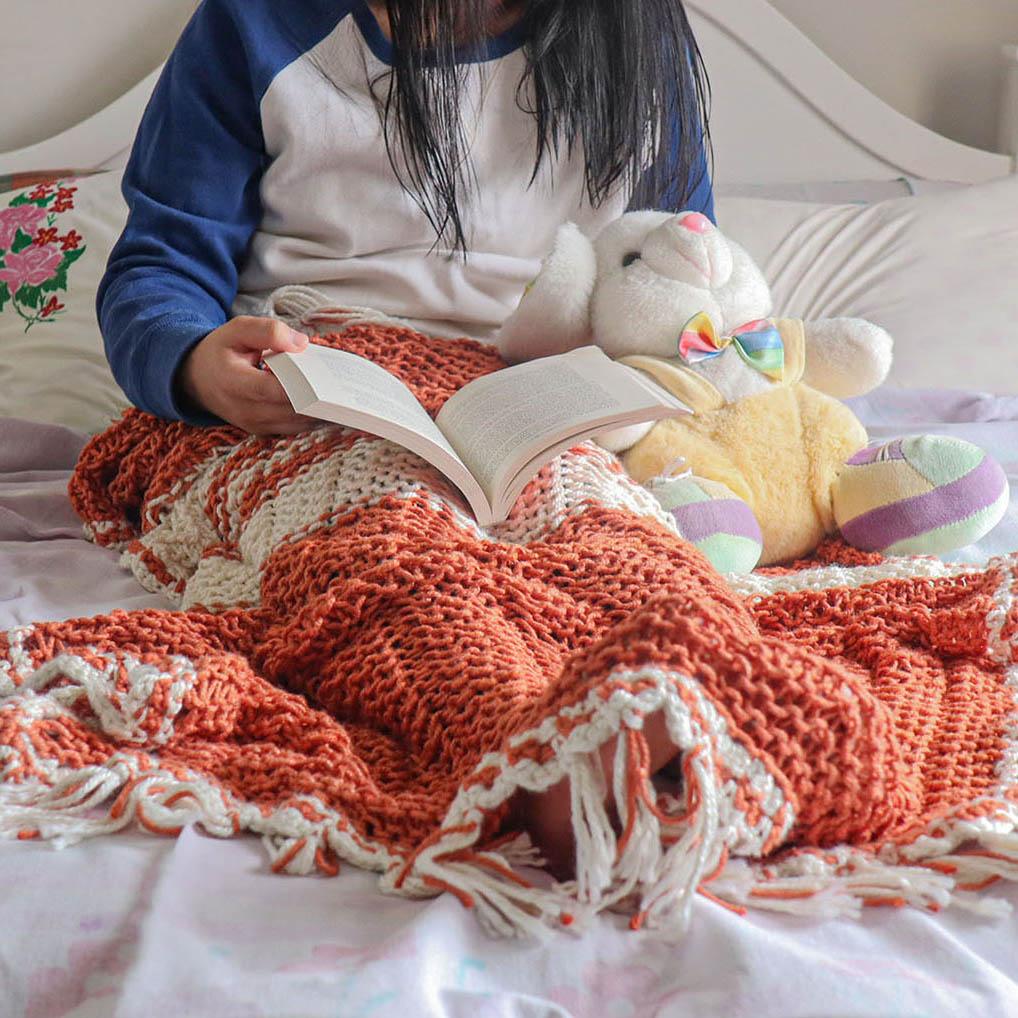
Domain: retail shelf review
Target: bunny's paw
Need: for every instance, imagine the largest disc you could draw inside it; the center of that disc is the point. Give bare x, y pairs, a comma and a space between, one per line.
924, 495
711, 517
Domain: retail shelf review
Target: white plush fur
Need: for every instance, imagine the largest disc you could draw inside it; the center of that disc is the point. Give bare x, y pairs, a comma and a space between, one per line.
745, 296
846, 357
633, 309
554, 316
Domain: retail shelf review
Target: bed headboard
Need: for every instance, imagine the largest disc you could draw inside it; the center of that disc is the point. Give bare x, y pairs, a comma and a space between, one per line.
101, 141
783, 112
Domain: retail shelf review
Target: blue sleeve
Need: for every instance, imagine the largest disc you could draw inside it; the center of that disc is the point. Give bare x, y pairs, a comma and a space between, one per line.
702, 197
192, 190
697, 182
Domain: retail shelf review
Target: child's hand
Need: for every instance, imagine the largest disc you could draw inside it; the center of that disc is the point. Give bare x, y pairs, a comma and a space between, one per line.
221, 375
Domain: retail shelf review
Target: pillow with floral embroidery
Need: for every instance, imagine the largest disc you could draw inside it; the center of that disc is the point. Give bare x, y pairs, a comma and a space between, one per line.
55, 238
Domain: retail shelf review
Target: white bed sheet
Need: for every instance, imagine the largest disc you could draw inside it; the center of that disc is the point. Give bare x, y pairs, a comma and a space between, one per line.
132, 925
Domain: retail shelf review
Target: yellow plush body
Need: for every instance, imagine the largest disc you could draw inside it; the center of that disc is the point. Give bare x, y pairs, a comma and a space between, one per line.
780, 451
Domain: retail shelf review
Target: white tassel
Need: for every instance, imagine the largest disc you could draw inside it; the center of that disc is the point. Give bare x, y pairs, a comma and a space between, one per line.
662, 882
505, 905
522, 852
639, 863
56, 813
592, 829
835, 884
604, 877
669, 903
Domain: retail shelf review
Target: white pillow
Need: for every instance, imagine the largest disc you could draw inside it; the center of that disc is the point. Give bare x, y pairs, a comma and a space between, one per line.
54, 242
938, 271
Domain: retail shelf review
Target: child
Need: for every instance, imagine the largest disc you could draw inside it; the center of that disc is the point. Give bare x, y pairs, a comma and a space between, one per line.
414, 156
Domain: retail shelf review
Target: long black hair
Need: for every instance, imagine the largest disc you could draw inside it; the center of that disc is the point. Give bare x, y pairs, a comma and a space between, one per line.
622, 78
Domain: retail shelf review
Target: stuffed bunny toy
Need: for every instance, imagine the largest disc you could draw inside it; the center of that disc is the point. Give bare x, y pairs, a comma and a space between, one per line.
772, 461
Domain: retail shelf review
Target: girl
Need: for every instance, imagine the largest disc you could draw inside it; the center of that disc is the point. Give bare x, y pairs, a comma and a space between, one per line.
414, 156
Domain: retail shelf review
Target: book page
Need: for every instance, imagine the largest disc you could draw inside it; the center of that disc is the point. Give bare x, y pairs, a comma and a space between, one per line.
347, 380
502, 422
341, 387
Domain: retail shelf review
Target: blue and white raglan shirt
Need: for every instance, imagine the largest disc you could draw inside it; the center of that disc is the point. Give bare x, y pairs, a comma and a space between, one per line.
260, 162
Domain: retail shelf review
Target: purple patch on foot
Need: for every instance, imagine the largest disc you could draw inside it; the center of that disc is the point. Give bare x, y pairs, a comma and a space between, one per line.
700, 520
948, 504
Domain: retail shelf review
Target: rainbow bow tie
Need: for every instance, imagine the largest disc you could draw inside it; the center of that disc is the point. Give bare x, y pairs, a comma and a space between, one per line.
759, 344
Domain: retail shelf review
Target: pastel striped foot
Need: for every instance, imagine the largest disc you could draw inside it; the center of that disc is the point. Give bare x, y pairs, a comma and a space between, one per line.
711, 517
925, 495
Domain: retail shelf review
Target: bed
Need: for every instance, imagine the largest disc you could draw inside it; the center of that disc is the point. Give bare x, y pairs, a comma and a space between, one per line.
136, 925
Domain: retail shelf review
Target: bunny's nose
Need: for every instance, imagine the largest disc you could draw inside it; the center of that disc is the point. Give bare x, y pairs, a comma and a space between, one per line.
696, 222
690, 249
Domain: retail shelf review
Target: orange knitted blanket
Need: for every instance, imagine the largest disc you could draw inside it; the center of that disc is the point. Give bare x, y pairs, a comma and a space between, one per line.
358, 672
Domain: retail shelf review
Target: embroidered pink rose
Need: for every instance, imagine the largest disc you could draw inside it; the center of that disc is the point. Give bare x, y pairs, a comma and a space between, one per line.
36, 253
24, 217
33, 266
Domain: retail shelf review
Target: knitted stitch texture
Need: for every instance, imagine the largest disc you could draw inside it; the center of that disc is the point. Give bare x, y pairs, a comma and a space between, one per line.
359, 672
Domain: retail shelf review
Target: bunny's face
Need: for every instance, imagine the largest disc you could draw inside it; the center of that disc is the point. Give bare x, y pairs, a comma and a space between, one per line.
635, 288
655, 271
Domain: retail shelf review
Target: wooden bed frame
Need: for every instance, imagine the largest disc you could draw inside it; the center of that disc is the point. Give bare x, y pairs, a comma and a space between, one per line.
783, 112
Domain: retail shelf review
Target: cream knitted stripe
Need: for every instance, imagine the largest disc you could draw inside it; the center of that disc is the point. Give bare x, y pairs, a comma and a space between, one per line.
355, 477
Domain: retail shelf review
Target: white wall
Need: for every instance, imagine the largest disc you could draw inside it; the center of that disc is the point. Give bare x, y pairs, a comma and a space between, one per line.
935, 60
47, 84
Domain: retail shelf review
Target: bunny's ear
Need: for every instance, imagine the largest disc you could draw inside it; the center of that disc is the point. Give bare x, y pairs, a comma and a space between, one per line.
554, 314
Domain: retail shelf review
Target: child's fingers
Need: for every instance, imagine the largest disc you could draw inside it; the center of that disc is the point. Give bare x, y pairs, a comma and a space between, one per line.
245, 383
263, 407
266, 335
264, 387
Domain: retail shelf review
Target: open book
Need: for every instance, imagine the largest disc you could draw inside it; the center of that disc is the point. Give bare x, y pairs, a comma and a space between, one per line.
495, 433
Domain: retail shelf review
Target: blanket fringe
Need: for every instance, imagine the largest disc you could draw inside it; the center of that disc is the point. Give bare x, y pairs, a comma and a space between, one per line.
651, 867
96, 800
669, 901
842, 881
652, 864
56, 812
654, 877
592, 829
304, 306
808, 886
